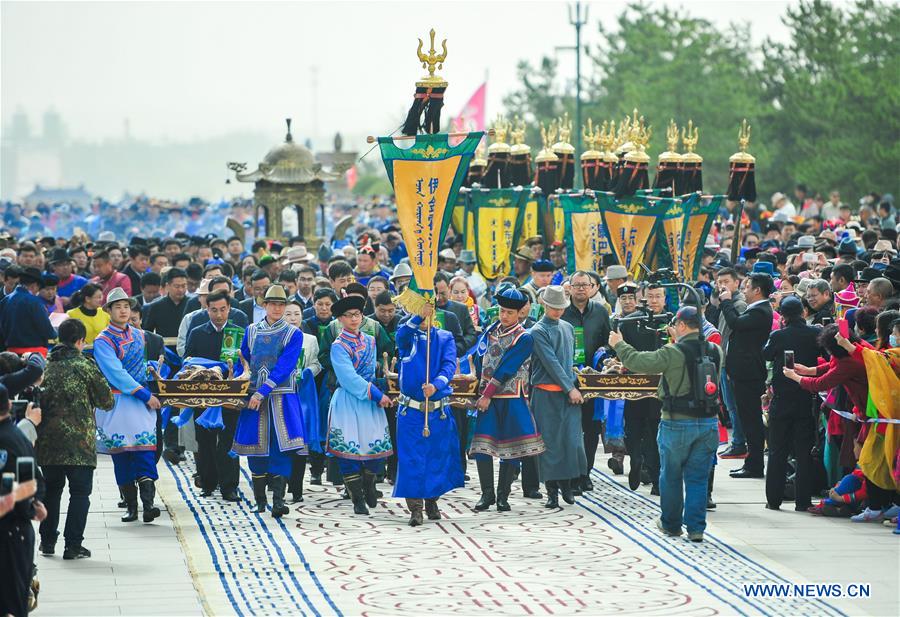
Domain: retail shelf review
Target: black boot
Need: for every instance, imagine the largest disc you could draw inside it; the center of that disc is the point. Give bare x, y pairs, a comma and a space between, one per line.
316, 466
565, 489
432, 510
129, 495
552, 494
369, 490
122, 503
486, 479
148, 495
415, 512
354, 486
504, 483
298, 472
710, 504
279, 509
259, 492
634, 473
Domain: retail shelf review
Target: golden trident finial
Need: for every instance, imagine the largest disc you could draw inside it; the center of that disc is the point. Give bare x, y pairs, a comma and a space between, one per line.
672, 136
690, 137
517, 131
742, 156
588, 135
432, 59
744, 136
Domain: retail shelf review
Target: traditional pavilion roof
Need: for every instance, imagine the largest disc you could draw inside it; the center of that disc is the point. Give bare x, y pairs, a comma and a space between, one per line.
289, 163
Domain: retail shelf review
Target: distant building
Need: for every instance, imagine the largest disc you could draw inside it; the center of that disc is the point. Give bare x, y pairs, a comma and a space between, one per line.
75, 196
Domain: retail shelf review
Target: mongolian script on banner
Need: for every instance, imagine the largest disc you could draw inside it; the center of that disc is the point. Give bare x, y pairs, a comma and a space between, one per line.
426, 178
498, 216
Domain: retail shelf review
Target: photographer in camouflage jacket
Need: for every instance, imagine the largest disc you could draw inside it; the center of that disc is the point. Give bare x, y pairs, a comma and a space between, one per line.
66, 446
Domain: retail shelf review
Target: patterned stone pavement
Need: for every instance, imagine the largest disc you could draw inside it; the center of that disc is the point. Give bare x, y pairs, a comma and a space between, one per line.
601, 556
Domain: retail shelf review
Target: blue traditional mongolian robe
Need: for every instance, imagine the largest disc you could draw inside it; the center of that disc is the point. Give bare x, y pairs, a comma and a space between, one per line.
429, 466
128, 432
266, 434
507, 429
357, 427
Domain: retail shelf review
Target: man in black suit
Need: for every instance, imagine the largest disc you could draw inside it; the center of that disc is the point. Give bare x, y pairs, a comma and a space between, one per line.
253, 307
214, 465
164, 315
792, 417
138, 264
745, 364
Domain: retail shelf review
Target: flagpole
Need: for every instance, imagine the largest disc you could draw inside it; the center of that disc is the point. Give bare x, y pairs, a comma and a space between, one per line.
426, 431
371, 139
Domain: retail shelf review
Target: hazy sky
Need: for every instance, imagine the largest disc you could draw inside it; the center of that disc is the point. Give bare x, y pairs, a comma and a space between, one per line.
181, 70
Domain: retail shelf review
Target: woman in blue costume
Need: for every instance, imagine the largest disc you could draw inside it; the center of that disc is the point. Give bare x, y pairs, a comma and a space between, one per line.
271, 425
128, 432
358, 433
427, 467
504, 428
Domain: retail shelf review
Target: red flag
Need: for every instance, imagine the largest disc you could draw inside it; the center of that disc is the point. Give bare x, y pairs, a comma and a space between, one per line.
471, 118
352, 177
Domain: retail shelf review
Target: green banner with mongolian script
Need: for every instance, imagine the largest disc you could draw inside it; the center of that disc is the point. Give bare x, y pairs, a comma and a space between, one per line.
426, 174
585, 237
498, 220
629, 224
700, 213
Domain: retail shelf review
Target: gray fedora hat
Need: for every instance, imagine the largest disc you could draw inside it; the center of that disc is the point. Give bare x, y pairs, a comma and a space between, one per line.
115, 295
554, 296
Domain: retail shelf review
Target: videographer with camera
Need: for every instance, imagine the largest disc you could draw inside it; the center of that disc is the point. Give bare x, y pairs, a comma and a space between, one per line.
17, 549
688, 430
640, 327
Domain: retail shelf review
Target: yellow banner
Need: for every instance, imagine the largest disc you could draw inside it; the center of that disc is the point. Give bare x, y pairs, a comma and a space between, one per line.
422, 189
530, 219
629, 234
559, 221
496, 228
672, 227
693, 235
470, 231
589, 240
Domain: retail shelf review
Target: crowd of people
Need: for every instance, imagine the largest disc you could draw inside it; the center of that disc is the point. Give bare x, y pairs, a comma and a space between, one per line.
801, 332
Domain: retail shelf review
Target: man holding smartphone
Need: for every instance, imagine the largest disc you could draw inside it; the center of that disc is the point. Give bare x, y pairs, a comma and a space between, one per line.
17, 552
792, 419
745, 365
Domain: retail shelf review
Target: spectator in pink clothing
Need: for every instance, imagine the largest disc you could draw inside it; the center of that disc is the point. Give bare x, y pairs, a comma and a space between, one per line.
107, 276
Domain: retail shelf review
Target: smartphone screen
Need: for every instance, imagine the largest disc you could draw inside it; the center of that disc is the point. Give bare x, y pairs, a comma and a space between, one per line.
844, 328
826, 321
6, 484
789, 359
24, 469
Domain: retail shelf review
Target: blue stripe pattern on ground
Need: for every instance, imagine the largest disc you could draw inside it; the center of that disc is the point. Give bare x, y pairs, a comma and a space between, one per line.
253, 604
302, 557
801, 604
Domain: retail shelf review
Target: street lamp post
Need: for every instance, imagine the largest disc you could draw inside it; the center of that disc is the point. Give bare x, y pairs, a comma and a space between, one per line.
577, 20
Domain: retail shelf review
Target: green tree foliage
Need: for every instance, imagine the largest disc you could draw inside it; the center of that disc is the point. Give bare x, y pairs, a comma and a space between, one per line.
836, 91
821, 107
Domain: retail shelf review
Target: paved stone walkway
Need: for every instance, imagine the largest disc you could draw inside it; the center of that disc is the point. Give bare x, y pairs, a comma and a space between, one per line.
600, 556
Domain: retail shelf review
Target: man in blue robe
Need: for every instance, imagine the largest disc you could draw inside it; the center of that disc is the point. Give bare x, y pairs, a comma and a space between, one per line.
505, 427
128, 431
428, 466
271, 425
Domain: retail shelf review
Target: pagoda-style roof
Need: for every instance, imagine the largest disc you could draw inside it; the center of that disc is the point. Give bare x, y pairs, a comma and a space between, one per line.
289, 163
